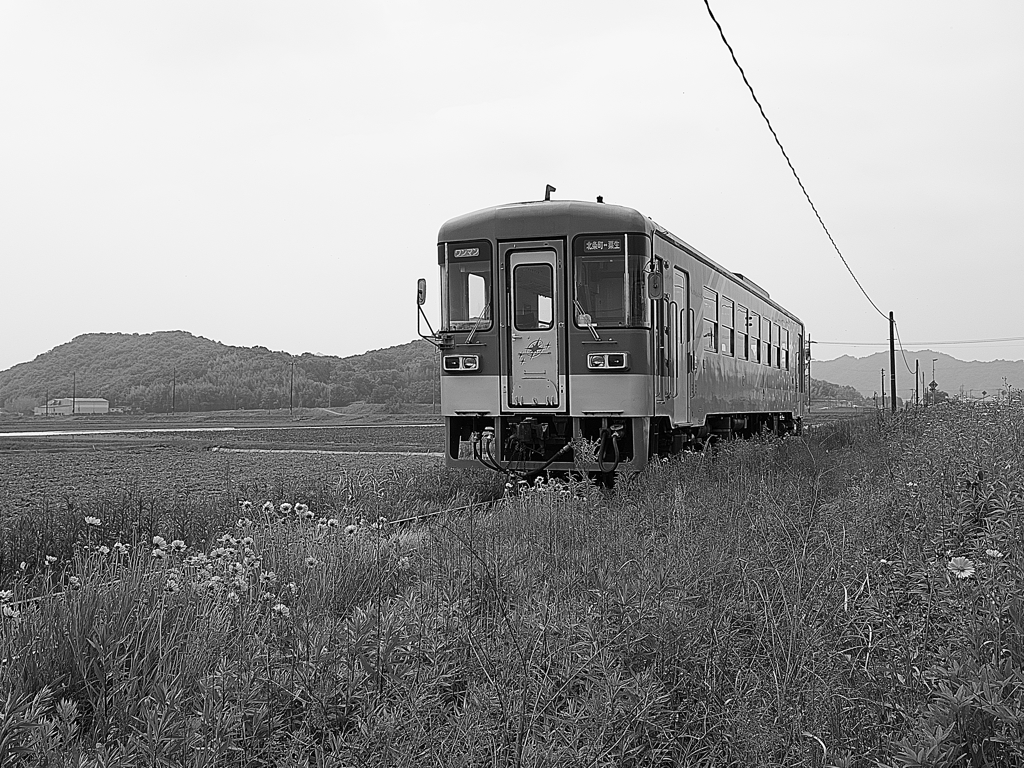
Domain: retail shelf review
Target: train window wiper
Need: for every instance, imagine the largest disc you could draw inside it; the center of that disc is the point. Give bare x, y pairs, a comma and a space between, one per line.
484, 315
584, 319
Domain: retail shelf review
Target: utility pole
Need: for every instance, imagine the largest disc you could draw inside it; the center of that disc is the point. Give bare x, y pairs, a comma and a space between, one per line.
291, 389
882, 390
917, 382
892, 360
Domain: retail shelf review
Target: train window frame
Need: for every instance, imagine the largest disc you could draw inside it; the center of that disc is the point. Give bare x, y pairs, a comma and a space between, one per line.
766, 341
743, 332
785, 347
755, 337
727, 323
777, 339
480, 265
709, 326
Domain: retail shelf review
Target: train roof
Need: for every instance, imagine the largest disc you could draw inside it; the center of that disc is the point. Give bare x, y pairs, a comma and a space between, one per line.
542, 218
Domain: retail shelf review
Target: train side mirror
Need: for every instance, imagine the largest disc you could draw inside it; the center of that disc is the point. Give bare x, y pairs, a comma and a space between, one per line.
655, 285
421, 291
585, 321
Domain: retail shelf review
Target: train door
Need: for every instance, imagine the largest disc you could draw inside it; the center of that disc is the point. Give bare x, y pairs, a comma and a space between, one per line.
532, 292
663, 333
682, 343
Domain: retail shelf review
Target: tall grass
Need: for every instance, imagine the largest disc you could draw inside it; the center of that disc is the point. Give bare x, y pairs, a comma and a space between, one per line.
849, 598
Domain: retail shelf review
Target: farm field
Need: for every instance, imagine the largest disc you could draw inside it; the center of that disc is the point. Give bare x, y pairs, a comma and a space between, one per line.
851, 597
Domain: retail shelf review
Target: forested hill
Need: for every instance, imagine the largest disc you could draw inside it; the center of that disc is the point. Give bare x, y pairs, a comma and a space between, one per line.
138, 370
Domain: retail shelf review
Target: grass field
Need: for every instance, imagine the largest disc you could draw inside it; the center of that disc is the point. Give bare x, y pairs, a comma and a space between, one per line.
852, 597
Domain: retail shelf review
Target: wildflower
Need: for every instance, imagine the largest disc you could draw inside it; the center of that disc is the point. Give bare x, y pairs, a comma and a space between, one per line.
311, 562
267, 507
159, 554
234, 568
267, 578
121, 549
10, 612
246, 506
103, 549
23, 566
93, 521
290, 586
248, 541
301, 509
404, 564
961, 567
244, 522
351, 529
178, 546
333, 522
883, 561
282, 610
286, 508
6, 595
171, 587
198, 559
995, 554
50, 560
159, 542
75, 583
307, 514
232, 597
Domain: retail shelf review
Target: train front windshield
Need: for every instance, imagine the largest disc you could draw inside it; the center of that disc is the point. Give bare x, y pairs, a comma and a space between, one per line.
467, 295
610, 289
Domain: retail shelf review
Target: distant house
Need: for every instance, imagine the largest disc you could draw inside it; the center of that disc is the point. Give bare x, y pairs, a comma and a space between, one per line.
61, 406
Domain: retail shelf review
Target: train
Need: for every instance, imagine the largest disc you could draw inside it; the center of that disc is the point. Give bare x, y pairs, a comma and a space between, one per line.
580, 336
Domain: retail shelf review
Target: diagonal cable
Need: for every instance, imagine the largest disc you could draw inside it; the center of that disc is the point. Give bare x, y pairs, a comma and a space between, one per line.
790, 162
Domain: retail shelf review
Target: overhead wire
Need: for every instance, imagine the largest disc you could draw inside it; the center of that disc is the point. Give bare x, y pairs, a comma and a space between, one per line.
964, 343
903, 354
814, 208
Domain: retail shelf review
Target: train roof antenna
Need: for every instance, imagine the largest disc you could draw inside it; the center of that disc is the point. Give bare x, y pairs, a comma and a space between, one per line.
548, 189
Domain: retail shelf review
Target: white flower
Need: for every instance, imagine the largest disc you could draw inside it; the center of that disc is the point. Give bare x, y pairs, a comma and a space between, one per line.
246, 506
961, 567
232, 597
171, 587
178, 546
93, 521
350, 529
311, 562
6, 595
159, 541
159, 554
268, 577
243, 522
23, 566
995, 554
248, 541
75, 583
268, 507
50, 560
10, 612
285, 508
103, 549
121, 549
282, 610
404, 564
333, 522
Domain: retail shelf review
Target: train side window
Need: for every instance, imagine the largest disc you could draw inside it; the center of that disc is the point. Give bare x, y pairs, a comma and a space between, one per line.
766, 341
710, 320
728, 327
742, 332
755, 338
777, 344
785, 349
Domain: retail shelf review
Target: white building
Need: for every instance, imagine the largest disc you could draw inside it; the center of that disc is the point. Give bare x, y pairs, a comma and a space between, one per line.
61, 406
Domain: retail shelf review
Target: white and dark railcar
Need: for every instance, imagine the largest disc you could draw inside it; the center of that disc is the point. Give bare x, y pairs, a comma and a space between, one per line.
579, 335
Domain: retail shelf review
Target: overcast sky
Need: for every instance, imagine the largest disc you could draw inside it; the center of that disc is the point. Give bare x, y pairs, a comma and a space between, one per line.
275, 174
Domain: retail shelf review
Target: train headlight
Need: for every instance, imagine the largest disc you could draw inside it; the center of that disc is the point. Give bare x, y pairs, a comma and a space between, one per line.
457, 363
608, 361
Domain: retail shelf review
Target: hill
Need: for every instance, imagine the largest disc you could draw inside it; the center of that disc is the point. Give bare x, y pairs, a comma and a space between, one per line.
142, 371
952, 375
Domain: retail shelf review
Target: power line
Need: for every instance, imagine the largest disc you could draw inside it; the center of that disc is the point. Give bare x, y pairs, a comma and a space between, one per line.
963, 343
902, 353
790, 162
